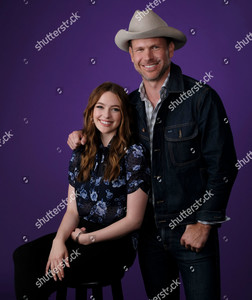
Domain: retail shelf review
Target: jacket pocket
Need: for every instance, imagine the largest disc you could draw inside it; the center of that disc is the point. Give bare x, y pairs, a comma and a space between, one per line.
183, 143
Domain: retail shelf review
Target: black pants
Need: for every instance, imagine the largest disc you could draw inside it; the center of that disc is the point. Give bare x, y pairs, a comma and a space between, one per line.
87, 263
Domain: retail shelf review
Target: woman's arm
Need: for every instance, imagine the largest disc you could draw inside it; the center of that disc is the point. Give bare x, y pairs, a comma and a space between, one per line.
59, 251
70, 219
136, 204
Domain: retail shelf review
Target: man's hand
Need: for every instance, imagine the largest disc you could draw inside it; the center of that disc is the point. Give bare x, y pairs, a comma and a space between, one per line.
195, 236
76, 139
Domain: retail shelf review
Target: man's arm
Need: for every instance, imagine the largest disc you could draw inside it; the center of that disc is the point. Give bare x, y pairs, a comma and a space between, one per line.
75, 139
218, 152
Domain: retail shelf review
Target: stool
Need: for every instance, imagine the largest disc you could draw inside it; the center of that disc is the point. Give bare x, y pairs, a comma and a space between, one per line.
96, 286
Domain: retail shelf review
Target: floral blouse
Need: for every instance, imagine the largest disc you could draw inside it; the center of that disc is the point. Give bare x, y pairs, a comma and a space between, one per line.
104, 202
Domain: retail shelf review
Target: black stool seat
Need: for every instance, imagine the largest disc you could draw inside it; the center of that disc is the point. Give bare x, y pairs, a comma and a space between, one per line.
96, 286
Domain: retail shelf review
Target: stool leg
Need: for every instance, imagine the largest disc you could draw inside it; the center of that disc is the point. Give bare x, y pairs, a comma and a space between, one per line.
61, 293
97, 292
117, 290
81, 293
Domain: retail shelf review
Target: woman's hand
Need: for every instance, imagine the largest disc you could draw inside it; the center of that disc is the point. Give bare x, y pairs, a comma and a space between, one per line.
57, 260
82, 237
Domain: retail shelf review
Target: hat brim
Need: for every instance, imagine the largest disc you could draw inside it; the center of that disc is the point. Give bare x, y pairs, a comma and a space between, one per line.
123, 37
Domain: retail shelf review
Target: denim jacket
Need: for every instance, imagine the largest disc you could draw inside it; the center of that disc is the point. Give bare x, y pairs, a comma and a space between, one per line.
193, 157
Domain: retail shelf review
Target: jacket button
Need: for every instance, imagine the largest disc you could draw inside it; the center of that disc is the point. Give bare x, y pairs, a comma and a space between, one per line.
158, 121
156, 150
159, 179
143, 130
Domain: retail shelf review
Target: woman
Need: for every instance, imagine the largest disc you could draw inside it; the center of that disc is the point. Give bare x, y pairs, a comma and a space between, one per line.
107, 196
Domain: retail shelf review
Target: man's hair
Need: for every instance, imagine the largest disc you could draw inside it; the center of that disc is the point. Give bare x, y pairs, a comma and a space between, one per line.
120, 142
168, 40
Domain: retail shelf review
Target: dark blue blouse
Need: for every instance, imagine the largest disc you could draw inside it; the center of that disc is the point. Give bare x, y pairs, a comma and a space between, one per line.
104, 202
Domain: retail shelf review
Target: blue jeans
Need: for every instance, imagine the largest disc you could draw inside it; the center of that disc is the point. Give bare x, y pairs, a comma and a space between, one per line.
162, 258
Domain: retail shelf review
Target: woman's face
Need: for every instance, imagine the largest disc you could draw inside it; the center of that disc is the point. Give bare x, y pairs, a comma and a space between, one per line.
107, 116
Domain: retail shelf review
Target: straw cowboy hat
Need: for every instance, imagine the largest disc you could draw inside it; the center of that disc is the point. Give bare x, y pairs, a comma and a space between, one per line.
148, 26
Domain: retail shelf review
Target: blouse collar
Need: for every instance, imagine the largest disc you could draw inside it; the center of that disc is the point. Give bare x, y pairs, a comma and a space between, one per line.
101, 146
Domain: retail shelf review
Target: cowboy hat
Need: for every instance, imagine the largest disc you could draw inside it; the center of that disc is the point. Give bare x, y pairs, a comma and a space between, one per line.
148, 25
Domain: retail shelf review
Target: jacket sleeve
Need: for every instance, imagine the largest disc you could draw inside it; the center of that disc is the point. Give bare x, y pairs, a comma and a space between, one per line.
218, 154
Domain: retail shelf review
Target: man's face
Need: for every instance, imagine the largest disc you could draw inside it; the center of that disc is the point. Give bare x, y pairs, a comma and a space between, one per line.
152, 57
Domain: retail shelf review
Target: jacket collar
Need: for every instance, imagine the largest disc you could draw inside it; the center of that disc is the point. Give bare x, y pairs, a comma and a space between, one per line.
175, 83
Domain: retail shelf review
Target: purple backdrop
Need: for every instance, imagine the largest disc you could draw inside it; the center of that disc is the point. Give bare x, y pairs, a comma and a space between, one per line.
43, 95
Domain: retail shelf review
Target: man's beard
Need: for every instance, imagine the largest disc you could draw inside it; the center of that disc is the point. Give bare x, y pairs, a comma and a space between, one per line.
159, 76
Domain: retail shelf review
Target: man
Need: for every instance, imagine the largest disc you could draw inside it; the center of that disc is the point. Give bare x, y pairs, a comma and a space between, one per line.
184, 125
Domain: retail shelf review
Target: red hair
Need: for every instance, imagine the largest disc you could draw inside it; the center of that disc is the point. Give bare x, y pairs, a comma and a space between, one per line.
120, 141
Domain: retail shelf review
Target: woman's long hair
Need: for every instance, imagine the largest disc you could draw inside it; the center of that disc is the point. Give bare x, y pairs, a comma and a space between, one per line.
119, 143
